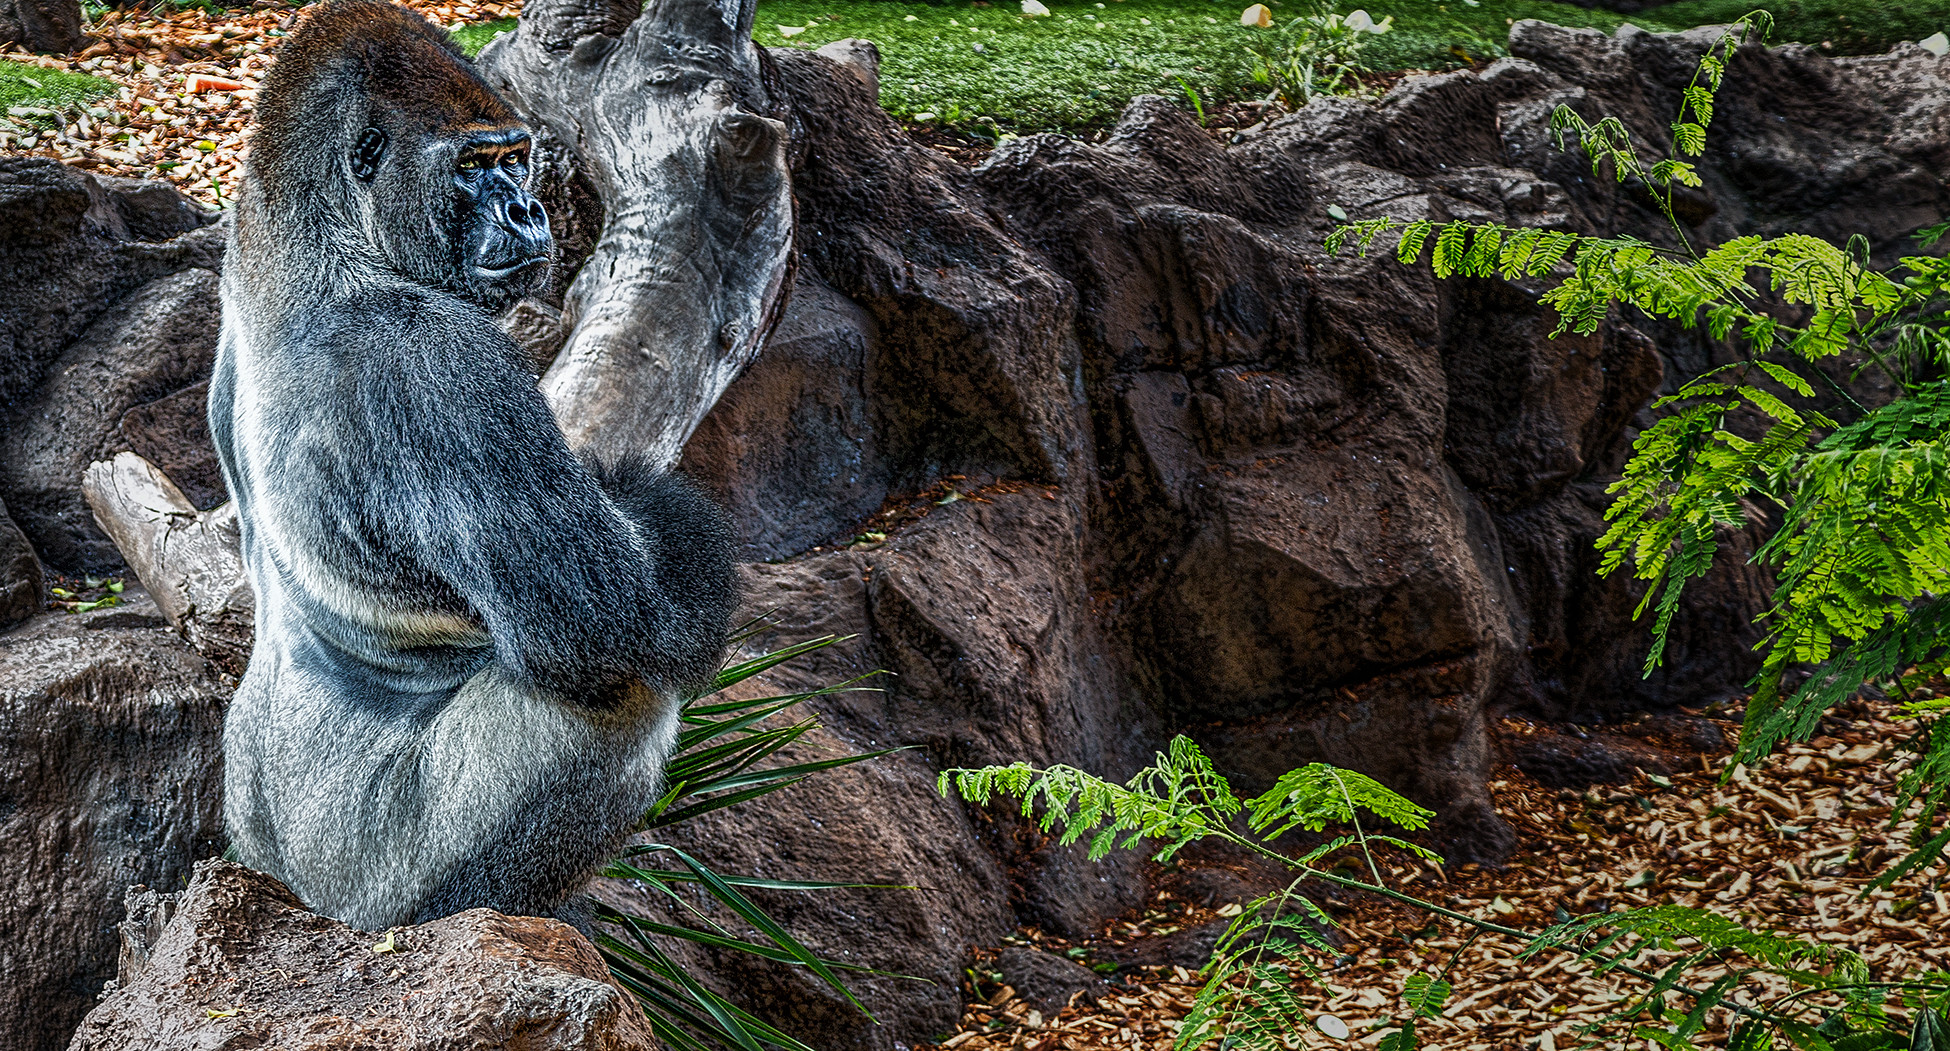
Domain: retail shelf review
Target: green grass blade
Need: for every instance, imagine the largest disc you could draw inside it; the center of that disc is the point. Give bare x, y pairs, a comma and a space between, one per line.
737, 673
728, 896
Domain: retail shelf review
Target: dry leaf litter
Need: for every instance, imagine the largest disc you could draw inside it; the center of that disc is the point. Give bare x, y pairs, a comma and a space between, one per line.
1790, 846
185, 84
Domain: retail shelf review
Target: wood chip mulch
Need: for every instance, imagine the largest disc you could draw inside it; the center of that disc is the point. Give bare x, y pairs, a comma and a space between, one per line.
185, 84
1790, 846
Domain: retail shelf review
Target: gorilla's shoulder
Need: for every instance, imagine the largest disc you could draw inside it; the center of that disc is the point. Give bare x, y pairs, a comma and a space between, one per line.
423, 331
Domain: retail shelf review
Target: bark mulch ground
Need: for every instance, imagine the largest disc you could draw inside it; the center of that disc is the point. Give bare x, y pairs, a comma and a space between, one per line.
1790, 846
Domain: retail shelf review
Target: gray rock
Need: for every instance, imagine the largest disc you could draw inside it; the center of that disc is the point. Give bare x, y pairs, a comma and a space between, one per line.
110, 774
158, 340
73, 244
238, 962
22, 590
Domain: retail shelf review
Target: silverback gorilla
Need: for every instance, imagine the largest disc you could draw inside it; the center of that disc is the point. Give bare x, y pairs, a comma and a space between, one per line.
471, 644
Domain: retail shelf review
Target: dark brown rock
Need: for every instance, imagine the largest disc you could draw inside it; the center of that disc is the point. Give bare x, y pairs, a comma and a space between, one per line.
22, 589
71, 245
975, 368
173, 432
793, 438
240, 963
1045, 980
110, 774
47, 26
157, 340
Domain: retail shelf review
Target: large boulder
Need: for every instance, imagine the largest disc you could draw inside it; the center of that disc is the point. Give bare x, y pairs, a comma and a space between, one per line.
159, 339
110, 774
74, 248
236, 961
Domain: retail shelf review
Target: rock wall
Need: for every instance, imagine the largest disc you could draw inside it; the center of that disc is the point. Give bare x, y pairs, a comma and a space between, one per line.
110, 774
1091, 444
111, 304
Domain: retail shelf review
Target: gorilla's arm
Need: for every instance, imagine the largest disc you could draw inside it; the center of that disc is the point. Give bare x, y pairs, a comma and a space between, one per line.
584, 579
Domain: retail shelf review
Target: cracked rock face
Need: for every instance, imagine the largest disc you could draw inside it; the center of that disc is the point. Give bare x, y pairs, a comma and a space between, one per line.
110, 774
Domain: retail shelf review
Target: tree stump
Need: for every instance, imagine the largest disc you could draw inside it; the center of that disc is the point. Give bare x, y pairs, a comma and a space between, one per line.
669, 114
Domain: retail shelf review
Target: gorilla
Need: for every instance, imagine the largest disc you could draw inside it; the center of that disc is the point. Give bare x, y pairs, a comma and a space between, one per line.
472, 646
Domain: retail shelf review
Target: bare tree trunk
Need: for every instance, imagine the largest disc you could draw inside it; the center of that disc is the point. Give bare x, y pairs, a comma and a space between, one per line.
669, 115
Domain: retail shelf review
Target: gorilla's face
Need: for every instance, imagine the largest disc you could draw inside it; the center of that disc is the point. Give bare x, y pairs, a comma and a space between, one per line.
500, 231
451, 208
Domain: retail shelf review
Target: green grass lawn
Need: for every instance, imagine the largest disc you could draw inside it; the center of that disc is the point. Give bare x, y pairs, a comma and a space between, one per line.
55, 89
980, 67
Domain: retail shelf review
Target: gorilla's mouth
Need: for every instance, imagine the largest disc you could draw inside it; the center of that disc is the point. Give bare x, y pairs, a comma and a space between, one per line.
495, 273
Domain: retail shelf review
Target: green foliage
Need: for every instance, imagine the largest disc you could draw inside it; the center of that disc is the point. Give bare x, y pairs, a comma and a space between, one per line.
1862, 550
45, 93
477, 35
1317, 53
1246, 998
1064, 72
723, 757
1850, 27
1079, 67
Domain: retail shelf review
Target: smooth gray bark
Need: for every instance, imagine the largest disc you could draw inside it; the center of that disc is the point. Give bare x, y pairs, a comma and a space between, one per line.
668, 115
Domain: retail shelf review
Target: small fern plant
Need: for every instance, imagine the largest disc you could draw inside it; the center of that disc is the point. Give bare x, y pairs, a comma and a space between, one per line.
1254, 996
1860, 504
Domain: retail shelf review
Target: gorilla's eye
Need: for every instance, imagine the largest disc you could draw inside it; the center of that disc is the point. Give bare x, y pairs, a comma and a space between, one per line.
472, 162
365, 154
513, 160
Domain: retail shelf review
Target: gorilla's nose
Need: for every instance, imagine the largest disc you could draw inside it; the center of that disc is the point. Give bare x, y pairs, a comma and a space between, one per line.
521, 216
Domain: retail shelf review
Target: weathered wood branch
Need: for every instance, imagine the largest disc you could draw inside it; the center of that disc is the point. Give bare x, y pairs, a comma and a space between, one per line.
187, 559
670, 117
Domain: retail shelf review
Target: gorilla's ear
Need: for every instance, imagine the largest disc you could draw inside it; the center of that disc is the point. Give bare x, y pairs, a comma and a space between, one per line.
365, 155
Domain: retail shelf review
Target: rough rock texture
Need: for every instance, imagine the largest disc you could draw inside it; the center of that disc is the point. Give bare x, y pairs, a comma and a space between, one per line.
1047, 981
1295, 505
240, 963
22, 588
173, 432
46, 26
74, 248
109, 775
157, 340
790, 448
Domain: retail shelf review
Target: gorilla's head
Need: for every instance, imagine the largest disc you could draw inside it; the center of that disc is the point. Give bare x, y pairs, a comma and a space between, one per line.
377, 127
